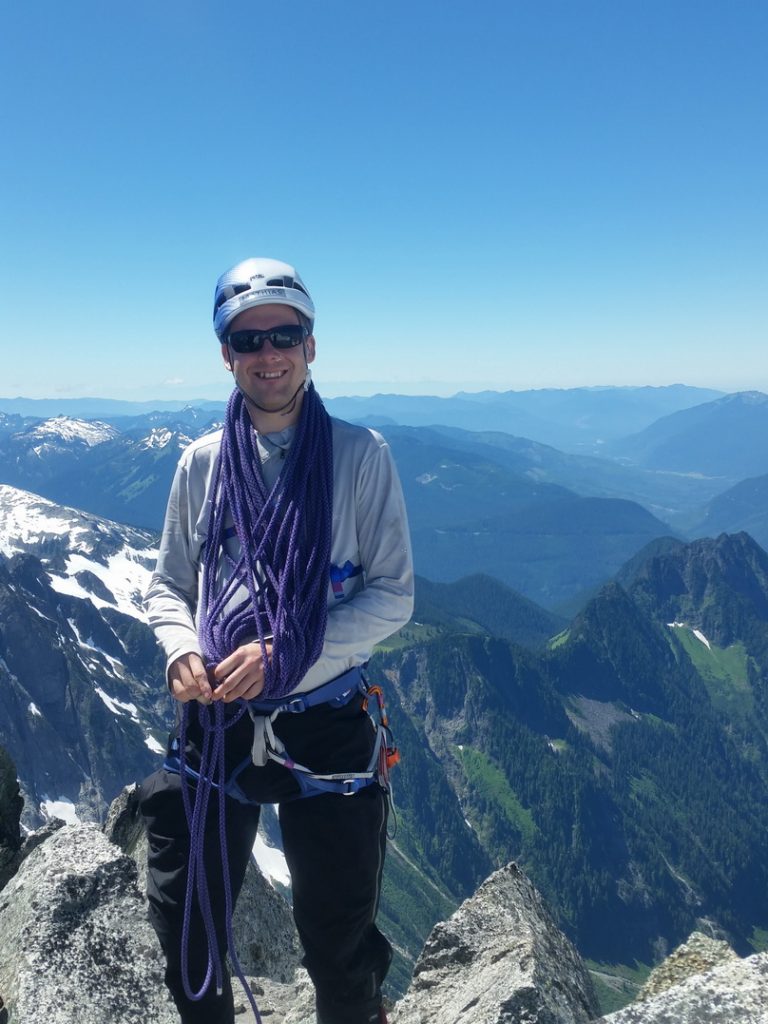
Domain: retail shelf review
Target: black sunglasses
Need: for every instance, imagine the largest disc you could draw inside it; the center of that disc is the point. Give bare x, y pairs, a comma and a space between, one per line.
285, 336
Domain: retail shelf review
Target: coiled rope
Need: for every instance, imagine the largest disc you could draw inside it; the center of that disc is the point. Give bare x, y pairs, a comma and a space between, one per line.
274, 591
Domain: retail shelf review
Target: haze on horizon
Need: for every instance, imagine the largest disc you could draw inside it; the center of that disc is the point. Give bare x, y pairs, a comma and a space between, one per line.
502, 196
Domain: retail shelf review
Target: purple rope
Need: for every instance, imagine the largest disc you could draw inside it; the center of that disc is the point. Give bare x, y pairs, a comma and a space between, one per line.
285, 541
283, 569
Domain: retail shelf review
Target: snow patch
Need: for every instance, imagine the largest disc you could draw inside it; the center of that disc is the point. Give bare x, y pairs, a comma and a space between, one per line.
117, 666
159, 437
425, 478
89, 432
126, 575
33, 709
154, 746
61, 808
696, 632
700, 636
116, 706
271, 861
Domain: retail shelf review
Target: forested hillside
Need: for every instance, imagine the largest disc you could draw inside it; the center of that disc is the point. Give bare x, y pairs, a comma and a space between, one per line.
619, 767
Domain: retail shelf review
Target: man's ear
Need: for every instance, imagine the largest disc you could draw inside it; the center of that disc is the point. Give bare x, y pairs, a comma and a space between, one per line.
309, 348
226, 357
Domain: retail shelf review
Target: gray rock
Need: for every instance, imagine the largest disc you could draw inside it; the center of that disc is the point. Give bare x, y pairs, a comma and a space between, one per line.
265, 936
290, 1002
733, 993
34, 839
500, 959
125, 828
266, 942
75, 944
696, 956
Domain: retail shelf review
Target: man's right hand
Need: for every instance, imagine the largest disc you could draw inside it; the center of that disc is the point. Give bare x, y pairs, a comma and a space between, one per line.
188, 679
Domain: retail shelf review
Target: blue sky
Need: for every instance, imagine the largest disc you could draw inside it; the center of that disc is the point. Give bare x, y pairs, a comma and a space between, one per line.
496, 194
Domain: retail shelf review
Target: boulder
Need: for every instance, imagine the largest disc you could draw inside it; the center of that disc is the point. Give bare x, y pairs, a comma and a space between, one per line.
500, 959
735, 992
75, 943
696, 956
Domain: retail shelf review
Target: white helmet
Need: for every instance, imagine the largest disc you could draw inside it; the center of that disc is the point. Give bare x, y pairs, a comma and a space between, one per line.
257, 282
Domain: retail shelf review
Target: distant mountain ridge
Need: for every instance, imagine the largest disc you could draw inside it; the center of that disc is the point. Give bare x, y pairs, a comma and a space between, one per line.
707, 439
480, 603
742, 507
468, 511
566, 417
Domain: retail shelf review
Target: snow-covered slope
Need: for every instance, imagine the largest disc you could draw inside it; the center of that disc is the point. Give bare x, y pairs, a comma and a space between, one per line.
80, 551
65, 430
81, 679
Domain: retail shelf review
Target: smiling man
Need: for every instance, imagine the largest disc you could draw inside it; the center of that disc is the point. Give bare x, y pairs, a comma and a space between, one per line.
284, 559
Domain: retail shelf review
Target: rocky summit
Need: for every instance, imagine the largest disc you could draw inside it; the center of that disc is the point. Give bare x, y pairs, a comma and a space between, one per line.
75, 944
76, 948
500, 959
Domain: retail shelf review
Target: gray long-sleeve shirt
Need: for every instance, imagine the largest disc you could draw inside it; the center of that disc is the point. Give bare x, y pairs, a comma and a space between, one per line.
370, 593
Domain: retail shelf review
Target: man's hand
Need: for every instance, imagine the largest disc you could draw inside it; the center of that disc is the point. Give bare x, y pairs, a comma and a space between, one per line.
188, 679
241, 674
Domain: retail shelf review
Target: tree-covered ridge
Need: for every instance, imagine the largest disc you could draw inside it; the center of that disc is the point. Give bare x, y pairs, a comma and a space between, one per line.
481, 603
627, 781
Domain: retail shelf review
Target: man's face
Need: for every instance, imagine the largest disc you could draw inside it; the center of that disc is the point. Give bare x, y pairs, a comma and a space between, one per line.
270, 377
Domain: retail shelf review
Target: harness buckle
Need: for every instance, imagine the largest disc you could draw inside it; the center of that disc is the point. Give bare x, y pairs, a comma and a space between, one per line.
295, 706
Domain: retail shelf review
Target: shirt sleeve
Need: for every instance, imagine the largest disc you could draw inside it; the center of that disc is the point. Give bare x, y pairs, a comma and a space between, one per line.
171, 598
385, 602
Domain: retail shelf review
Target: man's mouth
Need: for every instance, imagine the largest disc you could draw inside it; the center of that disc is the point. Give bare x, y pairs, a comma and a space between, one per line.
272, 375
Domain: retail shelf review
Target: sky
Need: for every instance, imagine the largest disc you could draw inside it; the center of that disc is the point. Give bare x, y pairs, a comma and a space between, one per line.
506, 194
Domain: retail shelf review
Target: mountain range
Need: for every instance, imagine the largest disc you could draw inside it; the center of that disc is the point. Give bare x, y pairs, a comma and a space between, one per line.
625, 767
551, 525
583, 686
582, 417
621, 757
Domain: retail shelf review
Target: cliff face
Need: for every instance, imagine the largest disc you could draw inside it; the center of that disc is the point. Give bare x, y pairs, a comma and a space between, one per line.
11, 805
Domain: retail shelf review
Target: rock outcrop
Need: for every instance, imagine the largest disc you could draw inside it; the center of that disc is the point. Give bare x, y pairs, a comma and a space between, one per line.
696, 956
500, 959
265, 936
735, 992
11, 805
75, 943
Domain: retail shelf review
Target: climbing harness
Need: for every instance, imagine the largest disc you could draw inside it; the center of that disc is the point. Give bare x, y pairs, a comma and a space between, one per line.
211, 775
267, 746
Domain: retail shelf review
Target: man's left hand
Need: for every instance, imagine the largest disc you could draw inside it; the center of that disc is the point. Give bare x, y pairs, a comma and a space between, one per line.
241, 674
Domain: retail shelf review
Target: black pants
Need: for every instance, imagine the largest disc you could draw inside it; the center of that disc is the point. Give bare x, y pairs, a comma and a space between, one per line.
334, 846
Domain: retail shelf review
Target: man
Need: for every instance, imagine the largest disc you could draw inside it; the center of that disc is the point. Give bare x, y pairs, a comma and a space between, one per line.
284, 559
